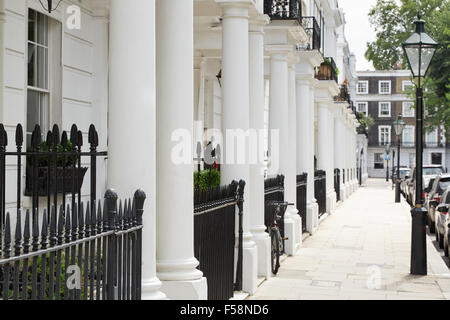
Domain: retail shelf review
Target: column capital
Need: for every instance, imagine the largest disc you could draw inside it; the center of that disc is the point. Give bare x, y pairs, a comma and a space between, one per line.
273, 50
256, 24
235, 4
313, 57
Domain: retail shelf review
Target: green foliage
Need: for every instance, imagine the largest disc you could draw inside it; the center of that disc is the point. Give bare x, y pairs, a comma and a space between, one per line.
393, 22
206, 179
61, 160
366, 121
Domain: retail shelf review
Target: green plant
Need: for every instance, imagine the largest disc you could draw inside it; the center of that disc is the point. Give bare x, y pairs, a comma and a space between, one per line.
44, 161
206, 179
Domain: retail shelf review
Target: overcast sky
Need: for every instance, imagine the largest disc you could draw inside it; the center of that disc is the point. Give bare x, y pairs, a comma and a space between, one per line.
357, 29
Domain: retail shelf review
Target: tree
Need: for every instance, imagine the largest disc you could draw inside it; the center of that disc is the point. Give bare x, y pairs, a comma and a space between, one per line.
393, 23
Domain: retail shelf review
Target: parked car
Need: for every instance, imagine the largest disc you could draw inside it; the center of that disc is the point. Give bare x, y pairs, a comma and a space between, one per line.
428, 172
439, 185
427, 192
443, 209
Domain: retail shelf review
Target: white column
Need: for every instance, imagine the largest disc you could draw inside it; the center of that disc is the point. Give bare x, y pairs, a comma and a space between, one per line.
325, 150
279, 122
339, 151
132, 84
236, 117
256, 193
347, 156
176, 264
290, 187
305, 144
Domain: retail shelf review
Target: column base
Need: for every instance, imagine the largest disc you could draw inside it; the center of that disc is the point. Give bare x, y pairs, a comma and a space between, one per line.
292, 231
186, 290
249, 268
342, 192
331, 202
312, 217
151, 290
263, 247
348, 191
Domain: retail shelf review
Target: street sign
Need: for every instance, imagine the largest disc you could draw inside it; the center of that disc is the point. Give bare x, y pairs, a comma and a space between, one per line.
388, 157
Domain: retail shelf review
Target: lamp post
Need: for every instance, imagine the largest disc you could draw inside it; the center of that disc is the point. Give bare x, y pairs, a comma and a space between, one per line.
49, 7
419, 49
388, 157
399, 124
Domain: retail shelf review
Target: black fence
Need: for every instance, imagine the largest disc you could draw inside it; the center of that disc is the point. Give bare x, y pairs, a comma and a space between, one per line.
76, 255
273, 191
320, 190
337, 183
302, 185
283, 9
312, 29
215, 238
53, 167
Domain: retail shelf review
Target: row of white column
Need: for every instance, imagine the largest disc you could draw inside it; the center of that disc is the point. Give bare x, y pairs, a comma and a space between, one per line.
151, 83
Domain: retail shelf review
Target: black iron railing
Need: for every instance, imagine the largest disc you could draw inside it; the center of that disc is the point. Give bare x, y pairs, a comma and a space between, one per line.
312, 29
320, 190
273, 191
53, 167
302, 185
327, 70
77, 254
337, 183
215, 238
344, 96
283, 9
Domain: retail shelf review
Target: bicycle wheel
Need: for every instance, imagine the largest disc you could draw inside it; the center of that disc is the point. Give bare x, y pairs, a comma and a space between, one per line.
275, 240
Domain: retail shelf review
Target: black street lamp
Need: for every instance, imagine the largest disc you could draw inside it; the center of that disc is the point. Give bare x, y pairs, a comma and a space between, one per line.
49, 7
399, 124
419, 50
388, 156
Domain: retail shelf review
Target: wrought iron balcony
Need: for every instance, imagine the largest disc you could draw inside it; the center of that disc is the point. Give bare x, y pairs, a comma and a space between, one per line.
434, 144
312, 29
344, 96
283, 9
327, 70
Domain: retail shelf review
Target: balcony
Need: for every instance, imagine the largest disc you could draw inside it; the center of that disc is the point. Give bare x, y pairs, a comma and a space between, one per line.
284, 9
344, 95
312, 30
327, 70
434, 144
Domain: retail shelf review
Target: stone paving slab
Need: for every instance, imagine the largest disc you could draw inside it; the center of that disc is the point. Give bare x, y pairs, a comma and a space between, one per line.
361, 252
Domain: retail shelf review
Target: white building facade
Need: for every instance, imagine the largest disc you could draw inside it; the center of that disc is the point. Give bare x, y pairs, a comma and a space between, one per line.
150, 82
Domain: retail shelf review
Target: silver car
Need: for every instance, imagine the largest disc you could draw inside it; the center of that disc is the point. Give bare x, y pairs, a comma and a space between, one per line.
443, 209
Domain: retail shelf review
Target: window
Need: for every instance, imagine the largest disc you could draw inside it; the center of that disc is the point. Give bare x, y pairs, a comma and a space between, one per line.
408, 136
412, 160
363, 87
407, 85
44, 73
431, 138
384, 135
384, 87
408, 109
363, 107
38, 70
378, 161
384, 109
436, 158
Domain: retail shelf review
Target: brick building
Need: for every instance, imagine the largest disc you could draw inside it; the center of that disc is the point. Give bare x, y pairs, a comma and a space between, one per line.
383, 96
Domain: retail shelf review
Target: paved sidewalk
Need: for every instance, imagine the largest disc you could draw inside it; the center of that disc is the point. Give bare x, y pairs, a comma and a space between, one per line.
361, 252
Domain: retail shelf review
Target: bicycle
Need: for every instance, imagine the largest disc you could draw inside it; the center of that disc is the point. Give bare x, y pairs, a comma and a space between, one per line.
277, 246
